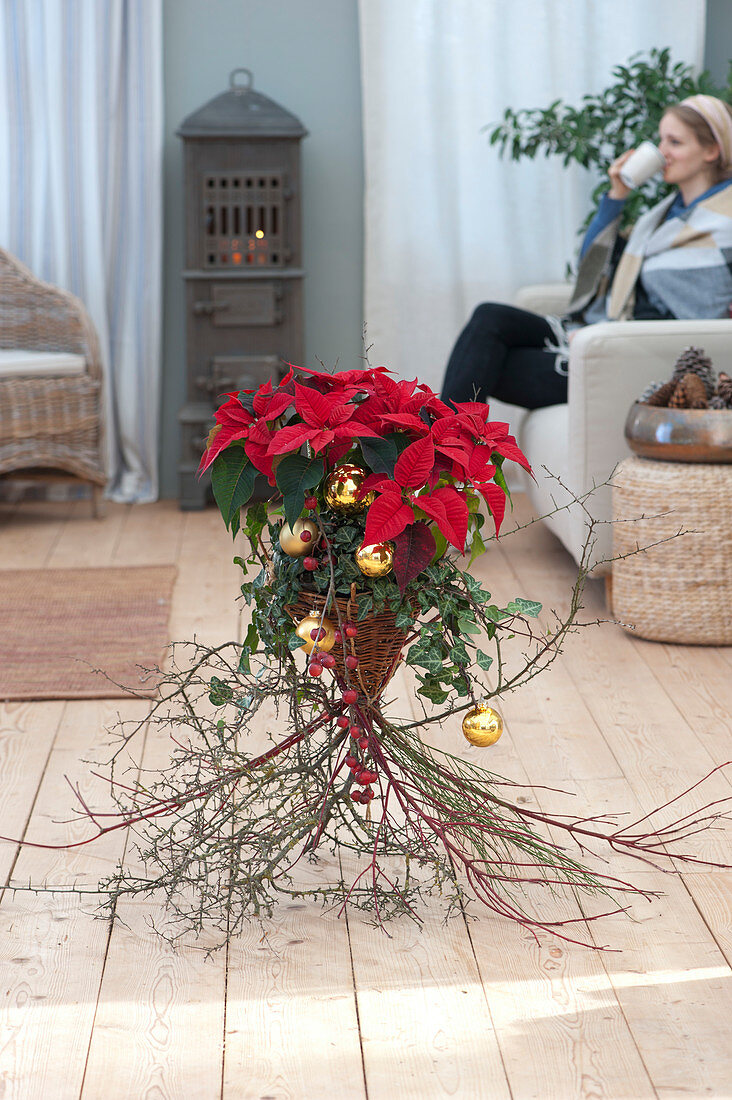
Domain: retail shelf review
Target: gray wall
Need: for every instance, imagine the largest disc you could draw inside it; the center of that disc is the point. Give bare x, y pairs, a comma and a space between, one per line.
304, 55
718, 45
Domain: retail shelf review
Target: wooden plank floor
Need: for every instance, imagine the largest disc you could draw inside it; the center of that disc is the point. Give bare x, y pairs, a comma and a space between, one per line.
319, 1007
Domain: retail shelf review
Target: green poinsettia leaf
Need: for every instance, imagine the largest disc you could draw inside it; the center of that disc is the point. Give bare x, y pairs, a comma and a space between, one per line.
380, 455
295, 476
232, 481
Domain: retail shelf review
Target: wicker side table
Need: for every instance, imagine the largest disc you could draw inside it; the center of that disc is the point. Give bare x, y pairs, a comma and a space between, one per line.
680, 590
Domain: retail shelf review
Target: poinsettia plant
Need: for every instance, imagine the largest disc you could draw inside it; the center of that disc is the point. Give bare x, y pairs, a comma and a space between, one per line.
427, 463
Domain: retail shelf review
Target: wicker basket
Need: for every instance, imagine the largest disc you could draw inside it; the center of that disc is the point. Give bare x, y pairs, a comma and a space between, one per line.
378, 644
681, 590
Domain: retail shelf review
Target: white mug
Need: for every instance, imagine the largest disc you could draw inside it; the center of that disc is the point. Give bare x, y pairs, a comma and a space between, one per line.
645, 162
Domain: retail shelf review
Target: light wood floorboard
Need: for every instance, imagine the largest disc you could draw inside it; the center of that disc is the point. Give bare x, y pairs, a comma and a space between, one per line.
313, 1005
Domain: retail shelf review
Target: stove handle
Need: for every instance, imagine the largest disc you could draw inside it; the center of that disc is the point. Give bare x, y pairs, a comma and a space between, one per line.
205, 309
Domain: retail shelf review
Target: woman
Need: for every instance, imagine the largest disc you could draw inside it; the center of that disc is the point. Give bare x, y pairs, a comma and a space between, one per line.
676, 263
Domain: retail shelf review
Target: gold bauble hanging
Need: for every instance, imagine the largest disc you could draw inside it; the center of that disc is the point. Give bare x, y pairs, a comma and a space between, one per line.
482, 725
290, 539
341, 489
375, 560
313, 624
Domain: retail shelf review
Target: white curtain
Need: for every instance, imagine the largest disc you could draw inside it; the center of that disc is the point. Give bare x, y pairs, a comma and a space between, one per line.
81, 141
448, 223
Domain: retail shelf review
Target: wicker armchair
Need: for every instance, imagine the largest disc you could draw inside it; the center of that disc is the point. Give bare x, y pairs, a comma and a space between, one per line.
50, 421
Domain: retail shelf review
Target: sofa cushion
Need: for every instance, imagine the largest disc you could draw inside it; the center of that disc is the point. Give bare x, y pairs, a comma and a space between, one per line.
16, 361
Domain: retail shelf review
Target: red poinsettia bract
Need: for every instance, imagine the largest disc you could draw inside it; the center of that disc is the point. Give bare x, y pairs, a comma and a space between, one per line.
440, 456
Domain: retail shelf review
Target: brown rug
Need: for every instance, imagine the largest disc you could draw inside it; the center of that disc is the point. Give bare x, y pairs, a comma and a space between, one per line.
82, 633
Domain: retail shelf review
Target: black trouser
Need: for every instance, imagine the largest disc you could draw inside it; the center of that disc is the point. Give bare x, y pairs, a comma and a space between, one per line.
500, 353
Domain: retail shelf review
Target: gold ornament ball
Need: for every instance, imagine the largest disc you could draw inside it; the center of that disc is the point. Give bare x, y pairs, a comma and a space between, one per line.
291, 542
341, 489
482, 725
375, 560
312, 622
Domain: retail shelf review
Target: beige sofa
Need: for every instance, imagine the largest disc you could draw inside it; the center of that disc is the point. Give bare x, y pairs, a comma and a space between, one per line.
581, 442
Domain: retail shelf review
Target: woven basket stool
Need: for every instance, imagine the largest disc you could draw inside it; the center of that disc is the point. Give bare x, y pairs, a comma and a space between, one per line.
681, 590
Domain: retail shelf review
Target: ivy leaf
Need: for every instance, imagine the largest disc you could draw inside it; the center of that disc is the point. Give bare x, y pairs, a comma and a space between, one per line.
404, 619
255, 523
219, 692
295, 475
520, 606
483, 660
494, 614
431, 660
232, 481
413, 550
467, 626
433, 691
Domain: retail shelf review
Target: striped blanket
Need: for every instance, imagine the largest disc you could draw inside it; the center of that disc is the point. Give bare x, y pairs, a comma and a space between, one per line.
685, 263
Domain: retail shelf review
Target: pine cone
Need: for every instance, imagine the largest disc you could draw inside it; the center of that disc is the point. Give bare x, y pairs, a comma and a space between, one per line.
693, 360
690, 393
648, 392
724, 388
662, 395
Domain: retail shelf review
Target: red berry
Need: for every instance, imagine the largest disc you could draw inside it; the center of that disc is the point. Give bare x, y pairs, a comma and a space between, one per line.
315, 668
372, 777
338, 636
363, 742
363, 778
351, 761
356, 796
310, 563
351, 661
355, 732
351, 630
350, 696
327, 660
367, 794
311, 503
317, 633
306, 536
342, 721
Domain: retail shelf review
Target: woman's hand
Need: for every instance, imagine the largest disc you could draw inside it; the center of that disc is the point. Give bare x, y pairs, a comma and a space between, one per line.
618, 190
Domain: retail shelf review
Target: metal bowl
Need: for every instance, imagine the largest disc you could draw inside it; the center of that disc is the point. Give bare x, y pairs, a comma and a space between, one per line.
680, 435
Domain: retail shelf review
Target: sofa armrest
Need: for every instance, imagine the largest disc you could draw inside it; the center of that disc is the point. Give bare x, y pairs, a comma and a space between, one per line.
551, 298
